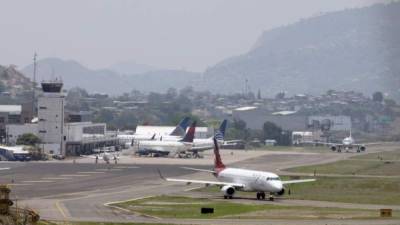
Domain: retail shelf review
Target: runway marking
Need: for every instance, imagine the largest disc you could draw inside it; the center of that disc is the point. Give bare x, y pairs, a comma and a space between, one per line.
109, 169
60, 209
91, 172
19, 184
191, 189
57, 178
75, 175
110, 204
126, 167
38, 181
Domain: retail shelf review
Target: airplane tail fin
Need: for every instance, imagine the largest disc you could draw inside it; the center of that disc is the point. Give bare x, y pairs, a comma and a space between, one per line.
220, 134
218, 164
189, 136
181, 127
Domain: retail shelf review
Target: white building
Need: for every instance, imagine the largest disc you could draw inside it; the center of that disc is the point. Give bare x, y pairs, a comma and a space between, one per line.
337, 123
14, 131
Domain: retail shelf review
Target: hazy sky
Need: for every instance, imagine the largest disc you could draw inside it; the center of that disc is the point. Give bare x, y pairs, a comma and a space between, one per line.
177, 34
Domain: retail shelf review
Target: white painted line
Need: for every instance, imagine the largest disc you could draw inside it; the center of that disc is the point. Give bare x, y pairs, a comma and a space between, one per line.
19, 184
92, 172
38, 181
75, 175
108, 169
126, 167
128, 200
191, 189
57, 178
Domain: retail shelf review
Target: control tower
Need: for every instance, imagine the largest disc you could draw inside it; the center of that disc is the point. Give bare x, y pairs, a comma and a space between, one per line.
51, 117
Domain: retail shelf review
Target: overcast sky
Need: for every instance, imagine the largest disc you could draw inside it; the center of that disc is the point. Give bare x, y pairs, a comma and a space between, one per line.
175, 34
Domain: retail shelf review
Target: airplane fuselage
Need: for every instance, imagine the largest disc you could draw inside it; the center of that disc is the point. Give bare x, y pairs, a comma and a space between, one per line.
253, 180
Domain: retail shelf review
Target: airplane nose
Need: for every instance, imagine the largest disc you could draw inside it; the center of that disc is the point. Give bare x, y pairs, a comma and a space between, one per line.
277, 186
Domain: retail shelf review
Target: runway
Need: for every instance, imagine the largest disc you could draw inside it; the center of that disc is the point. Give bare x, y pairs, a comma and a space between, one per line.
79, 191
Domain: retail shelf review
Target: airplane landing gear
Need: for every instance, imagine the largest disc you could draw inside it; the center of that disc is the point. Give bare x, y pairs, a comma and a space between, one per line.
271, 198
260, 195
228, 196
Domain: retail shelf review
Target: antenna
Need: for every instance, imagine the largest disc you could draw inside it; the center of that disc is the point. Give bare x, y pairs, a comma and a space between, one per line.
34, 85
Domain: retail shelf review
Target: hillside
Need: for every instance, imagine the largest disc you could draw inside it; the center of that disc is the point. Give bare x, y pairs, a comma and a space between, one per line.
107, 81
13, 81
355, 49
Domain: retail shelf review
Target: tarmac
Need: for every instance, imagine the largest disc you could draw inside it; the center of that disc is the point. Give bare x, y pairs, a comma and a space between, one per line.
80, 190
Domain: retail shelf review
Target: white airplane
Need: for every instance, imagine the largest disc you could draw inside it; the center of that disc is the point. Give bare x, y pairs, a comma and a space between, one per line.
203, 144
105, 156
232, 179
130, 139
165, 148
347, 143
5, 168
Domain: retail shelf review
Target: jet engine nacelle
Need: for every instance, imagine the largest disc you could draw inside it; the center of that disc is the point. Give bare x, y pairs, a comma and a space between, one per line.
362, 148
281, 192
228, 190
333, 148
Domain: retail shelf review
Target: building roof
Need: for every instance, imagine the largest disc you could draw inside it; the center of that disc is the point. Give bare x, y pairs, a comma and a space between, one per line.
284, 113
246, 108
12, 109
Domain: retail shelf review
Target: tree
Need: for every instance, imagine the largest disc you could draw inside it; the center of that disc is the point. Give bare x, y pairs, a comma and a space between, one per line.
377, 96
271, 131
28, 139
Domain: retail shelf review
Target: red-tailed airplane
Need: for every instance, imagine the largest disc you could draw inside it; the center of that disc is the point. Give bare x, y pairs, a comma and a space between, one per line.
233, 179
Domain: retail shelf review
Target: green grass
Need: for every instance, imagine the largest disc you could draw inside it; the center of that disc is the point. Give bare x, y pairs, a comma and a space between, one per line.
95, 223
389, 155
353, 167
381, 164
381, 191
350, 190
185, 207
317, 149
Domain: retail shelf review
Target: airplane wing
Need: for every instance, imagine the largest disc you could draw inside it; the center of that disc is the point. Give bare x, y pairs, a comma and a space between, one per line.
320, 143
298, 181
6, 168
236, 185
206, 182
200, 170
89, 156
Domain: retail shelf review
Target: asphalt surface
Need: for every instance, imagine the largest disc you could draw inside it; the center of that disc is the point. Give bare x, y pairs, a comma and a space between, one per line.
80, 191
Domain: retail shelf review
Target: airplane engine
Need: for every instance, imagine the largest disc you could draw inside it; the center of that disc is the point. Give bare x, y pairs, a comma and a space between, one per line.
281, 192
228, 191
362, 148
333, 148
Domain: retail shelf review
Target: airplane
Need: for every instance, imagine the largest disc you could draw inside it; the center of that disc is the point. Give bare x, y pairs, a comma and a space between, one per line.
165, 148
130, 139
203, 144
200, 145
5, 168
105, 156
231, 180
347, 143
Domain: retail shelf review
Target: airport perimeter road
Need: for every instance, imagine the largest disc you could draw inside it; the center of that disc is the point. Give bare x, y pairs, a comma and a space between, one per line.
67, 191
